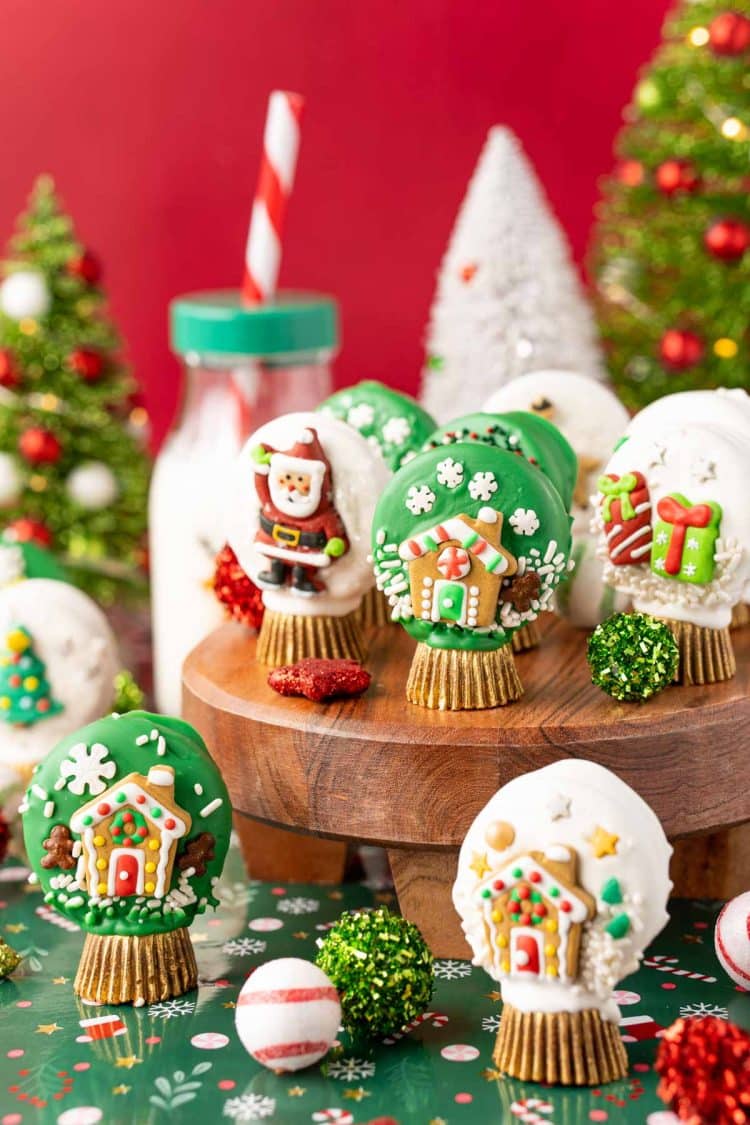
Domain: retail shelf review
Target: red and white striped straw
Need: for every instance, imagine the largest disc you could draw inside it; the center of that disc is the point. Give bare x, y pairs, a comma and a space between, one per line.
280, 147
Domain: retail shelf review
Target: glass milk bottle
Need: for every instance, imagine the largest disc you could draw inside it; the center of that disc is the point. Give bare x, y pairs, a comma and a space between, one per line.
242, 366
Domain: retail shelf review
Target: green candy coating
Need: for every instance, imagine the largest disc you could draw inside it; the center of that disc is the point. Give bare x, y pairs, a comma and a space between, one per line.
468, 481
135, 743
38, 562
632, 656
394, 421
518, 431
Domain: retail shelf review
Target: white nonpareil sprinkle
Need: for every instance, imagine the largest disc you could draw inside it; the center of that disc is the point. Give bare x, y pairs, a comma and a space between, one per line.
212, 806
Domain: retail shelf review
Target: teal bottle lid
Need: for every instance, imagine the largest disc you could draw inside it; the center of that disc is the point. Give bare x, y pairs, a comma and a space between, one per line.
217, 323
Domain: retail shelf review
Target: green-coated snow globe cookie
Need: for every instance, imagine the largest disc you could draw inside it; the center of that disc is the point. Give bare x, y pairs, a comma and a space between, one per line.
126, 825
469, 542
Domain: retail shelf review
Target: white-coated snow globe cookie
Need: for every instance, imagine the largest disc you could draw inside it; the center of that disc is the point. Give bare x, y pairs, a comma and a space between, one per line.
593, 419
306, 490
674, 534
58, 662
563, 880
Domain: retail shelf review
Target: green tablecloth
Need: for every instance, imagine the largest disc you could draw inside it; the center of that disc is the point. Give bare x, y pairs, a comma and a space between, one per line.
182, 1061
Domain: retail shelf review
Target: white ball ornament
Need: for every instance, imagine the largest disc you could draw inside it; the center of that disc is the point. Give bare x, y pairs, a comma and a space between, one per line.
11, 480
92, 485
288, 1014
732, 939
25, 294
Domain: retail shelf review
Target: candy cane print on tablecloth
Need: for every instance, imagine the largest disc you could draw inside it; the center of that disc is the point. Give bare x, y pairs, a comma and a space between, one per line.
530, 1110
335, 1116
664, 964
436, 1019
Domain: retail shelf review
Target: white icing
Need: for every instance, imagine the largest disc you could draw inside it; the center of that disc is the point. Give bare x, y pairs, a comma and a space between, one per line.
359, 476
72, 637
666, 464
558, 807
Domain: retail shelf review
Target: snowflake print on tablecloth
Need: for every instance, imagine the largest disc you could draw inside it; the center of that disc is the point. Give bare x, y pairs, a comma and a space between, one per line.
524, 521
482, 486
490, 1023
171, 1009
88, 768
249, 1107
420, 499
361, 415
244, 947
450, 473
350, 1070
451, 970
396, 431
237, 894
298, 905
697, 1011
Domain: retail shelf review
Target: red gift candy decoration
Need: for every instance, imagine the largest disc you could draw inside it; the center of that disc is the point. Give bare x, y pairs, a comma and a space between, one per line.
626, 511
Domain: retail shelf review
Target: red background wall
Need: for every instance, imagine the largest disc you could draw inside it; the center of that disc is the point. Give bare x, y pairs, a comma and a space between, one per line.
149, 113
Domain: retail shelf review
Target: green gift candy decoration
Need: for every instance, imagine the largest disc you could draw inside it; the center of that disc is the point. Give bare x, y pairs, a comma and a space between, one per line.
685, 537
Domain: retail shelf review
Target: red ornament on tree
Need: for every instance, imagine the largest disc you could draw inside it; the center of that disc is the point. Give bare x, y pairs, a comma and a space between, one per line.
727, 239
39, 446
87, 363
630, 172
676, 176
85, 266
729, 34
680, 349
236, 592
26, 530
9, 376
704, 1066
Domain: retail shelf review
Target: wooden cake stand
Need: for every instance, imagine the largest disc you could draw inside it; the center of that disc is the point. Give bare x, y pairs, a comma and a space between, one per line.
379, 770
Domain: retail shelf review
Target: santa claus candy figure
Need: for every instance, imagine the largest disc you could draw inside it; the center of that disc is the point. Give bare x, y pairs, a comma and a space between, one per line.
307, 489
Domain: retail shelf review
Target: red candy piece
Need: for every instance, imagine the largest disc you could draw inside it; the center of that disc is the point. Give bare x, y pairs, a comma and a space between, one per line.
320, 679
704, 1066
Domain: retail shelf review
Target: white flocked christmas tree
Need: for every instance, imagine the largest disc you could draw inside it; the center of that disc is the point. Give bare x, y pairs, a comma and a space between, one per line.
508, 297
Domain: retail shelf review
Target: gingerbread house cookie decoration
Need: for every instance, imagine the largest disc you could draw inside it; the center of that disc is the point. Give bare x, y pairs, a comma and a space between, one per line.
126, 824
129, 836
562, 882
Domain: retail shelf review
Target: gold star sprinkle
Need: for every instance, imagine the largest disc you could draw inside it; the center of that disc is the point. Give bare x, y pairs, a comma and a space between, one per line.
121, 1089
127, 1062
48, 1028
479, 864
15, 928
229, 1004
603, 842
437, 1121
492, 1075
61, 980
493, 996
301, 935
357, 1094
296, 1091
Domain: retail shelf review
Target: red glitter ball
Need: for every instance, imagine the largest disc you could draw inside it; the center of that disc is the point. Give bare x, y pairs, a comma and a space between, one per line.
704, 1066
320, 679
241, 598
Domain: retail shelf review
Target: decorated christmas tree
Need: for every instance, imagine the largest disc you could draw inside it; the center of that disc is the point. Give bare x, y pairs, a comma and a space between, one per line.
73, 467
508, 298
25, 692
670, 247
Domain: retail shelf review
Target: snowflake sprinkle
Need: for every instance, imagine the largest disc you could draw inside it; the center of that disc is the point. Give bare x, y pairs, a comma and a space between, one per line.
396, 431
88, 768
482, 486
450, 473
524, 521
420, 499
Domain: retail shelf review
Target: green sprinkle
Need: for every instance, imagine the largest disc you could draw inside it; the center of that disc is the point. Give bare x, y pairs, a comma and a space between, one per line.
120, 798
618, 927
87, 820
554, 892
486, 893
611, 892
156, 813
517, 872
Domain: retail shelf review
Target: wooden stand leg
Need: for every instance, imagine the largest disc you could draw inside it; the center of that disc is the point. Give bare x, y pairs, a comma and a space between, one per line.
714, 866
424, 880
278, 856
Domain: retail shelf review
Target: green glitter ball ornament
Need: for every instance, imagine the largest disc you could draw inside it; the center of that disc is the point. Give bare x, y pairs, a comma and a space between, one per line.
632, 656
9, 959
382, 969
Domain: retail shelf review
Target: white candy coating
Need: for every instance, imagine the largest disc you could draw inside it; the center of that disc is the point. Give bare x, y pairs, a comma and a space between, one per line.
73, 638
702, 462
724, 408
556, 807
732, 939
359, 476
288, 1014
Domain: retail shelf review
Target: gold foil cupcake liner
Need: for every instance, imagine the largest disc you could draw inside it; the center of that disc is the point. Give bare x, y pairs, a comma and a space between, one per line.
136, 970
285, 638
740, 616
374, 610
527, 637
560, 1048
706, 655
449, 679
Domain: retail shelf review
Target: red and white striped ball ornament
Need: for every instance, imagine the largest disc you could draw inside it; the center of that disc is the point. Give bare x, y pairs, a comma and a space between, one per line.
732, 939
288, 1014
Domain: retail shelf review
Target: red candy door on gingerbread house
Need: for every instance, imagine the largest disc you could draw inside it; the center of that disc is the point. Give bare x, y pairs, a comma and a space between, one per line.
526, 952
125, 873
